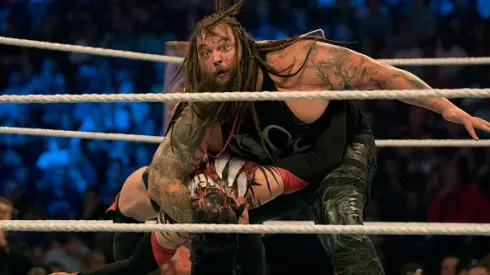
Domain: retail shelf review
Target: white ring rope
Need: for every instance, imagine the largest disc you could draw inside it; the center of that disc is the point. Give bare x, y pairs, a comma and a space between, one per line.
88, 50
78, 134
436, 61
371, 229
247, 96
158, 139
172, 59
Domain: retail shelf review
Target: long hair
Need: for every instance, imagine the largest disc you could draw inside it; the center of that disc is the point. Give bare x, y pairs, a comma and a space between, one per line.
251, 57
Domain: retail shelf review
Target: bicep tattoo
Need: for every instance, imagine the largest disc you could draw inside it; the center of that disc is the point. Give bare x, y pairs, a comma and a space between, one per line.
342, 69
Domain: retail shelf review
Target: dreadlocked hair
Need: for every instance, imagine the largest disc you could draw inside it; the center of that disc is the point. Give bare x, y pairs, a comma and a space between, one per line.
212, 205
250, 59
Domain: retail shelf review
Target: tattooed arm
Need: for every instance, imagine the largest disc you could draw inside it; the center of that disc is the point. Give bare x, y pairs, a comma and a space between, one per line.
178, 155
338, 68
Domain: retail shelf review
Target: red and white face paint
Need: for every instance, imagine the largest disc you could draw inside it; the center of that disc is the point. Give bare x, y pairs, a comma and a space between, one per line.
225, 173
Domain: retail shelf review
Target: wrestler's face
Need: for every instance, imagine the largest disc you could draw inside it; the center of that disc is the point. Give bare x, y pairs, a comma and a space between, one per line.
218, 58
200, 182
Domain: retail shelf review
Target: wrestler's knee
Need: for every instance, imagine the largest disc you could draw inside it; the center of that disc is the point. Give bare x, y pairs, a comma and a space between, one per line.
340, 203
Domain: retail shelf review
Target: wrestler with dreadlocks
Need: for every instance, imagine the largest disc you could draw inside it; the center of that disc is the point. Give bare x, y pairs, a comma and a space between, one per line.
326, 145
222, 57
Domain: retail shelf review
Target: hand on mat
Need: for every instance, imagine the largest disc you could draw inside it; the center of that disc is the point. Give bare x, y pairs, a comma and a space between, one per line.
456, 115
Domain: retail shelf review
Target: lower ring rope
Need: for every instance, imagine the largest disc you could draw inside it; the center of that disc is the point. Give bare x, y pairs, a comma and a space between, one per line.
374, 229
158, 139
247, 96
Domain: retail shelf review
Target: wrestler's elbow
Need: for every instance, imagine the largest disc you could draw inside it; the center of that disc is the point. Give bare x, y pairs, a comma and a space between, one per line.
389, 77
175, 201
164, 189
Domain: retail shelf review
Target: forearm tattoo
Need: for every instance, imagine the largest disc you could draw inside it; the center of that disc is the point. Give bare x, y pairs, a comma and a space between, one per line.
177, 156
411, 80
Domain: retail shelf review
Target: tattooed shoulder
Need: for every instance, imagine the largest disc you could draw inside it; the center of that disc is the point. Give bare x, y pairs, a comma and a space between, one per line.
276, 56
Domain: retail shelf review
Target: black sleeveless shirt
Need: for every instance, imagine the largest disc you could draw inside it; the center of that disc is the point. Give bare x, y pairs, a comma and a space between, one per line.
283, 134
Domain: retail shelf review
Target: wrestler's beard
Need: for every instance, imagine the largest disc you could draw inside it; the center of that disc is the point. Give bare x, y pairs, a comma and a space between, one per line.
217, 111
210, 83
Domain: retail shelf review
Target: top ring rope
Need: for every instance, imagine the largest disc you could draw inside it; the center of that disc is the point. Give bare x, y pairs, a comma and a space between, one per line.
172, 59
247, 96
371, 229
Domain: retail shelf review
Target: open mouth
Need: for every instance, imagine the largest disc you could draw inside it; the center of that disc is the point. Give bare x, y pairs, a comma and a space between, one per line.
221, 73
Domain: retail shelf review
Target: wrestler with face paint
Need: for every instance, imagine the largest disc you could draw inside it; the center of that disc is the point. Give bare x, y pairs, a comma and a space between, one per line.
221, 191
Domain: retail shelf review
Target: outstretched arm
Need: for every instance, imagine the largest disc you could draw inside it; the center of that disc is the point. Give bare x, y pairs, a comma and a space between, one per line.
339, 68
178, 155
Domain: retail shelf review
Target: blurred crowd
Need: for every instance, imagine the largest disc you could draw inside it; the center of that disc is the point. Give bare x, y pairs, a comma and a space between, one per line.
57, 178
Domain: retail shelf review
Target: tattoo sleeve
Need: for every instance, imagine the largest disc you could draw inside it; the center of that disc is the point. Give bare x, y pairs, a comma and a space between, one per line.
178, 155
342, 69
406, 80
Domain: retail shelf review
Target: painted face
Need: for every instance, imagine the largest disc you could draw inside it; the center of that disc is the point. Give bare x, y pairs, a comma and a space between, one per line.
217, 52
201, 181
226, 174
216, 188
